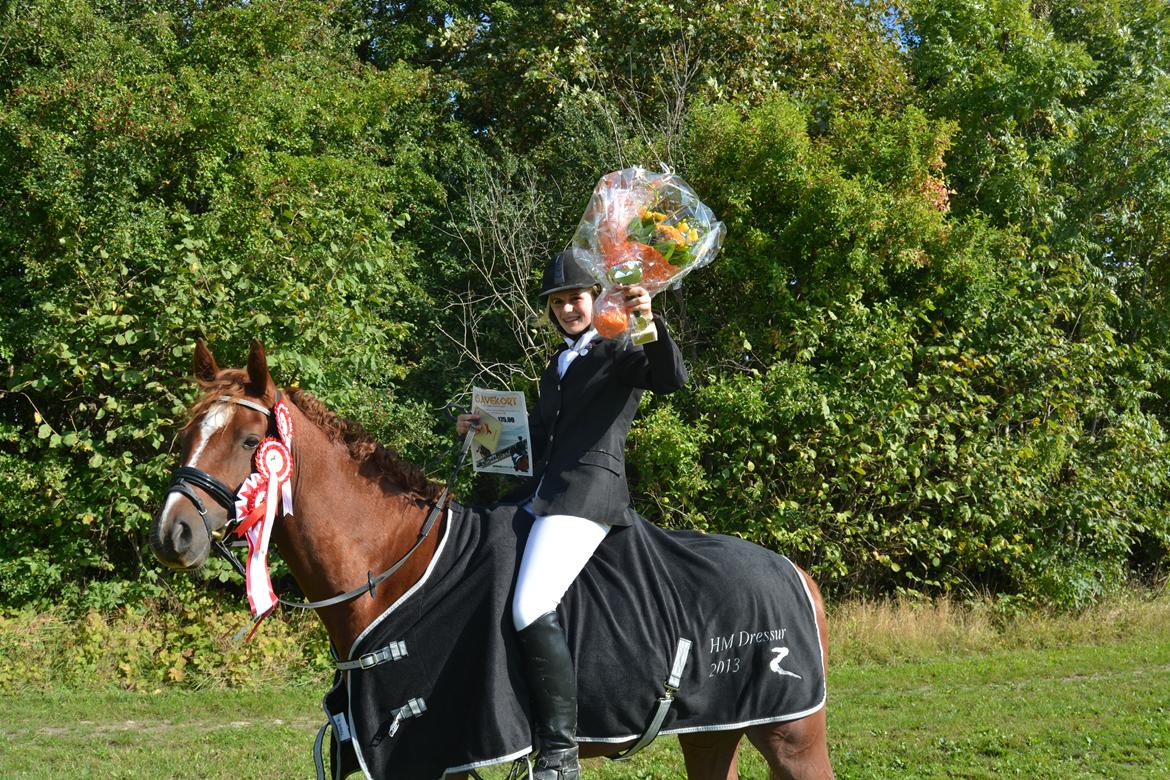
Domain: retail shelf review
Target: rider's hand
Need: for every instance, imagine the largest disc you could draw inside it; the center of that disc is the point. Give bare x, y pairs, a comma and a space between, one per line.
464, 423
637, 301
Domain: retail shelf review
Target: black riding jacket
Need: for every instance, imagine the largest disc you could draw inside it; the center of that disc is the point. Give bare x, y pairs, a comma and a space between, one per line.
580, 423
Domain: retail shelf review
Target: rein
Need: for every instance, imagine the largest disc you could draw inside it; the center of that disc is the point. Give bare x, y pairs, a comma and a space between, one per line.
185, 478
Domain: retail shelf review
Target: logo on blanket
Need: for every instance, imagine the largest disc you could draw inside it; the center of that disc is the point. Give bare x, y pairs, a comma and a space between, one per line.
723, 643
745, 638
781, 653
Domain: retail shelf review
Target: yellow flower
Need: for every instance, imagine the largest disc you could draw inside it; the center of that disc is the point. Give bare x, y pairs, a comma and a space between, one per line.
673, 233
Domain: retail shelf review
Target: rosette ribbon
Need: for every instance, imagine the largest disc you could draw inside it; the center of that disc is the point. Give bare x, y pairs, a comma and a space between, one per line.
257, 502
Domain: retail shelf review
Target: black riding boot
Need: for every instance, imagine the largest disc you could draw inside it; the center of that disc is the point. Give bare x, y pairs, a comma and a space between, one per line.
553, 690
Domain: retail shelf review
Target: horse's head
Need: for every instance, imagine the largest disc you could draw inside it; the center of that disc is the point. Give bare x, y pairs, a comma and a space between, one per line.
227, 425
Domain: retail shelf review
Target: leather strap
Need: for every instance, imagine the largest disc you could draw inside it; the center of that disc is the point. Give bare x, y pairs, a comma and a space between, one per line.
185, 476
395, 651
681, 656
318, 753
250, 404
372, 581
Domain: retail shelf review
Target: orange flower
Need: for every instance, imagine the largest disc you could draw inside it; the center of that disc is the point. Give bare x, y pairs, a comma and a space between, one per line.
611, 238
611, 322
673, 233
656, 272
627, 251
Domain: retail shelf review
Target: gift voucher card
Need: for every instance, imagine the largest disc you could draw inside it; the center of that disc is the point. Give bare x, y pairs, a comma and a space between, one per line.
502, 444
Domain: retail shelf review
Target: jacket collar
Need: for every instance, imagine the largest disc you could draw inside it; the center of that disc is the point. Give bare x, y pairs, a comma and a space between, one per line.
581, 341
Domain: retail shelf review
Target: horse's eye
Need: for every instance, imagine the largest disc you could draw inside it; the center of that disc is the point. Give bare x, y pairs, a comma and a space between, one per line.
252, 442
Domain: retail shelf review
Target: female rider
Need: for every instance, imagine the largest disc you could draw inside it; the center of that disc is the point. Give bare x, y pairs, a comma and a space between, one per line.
589, 395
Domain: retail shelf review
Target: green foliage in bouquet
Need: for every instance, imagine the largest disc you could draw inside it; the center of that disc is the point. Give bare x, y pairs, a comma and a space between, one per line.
670, 238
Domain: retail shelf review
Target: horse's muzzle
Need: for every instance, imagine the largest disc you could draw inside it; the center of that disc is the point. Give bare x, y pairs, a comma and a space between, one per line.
179, 540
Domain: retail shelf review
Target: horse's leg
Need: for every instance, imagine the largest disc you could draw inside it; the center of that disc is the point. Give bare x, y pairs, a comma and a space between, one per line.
795, 750
798, 749
711, 755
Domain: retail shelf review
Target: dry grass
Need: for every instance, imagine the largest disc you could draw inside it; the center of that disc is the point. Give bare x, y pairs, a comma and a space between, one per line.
864, 631
150, 648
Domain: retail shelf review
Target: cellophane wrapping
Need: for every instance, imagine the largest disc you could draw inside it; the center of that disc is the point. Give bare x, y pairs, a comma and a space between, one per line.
643, 228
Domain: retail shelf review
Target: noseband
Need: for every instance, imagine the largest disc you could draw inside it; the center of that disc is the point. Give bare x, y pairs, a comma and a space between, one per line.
186, 478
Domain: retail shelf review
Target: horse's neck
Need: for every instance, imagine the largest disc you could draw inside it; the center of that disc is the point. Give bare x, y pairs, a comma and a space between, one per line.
346, 528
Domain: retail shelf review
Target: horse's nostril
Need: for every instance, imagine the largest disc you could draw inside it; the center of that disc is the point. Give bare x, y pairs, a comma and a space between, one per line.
181, 535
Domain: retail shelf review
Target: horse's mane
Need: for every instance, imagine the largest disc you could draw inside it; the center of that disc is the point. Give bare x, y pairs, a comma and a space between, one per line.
392, 471
383, 461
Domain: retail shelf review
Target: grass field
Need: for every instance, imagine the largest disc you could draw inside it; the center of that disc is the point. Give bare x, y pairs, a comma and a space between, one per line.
951, 697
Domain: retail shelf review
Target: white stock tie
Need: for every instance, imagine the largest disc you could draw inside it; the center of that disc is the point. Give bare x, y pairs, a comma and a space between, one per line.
581, 347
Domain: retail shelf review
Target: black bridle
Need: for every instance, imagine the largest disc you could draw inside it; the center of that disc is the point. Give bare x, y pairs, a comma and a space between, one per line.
182, 481
185, 478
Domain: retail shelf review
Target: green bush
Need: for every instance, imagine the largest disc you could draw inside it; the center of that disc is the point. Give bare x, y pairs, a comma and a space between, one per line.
160, 643
905, 404
233, 173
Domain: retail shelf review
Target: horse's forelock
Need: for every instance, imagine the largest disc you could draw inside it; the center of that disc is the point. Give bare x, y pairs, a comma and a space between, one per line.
229, 382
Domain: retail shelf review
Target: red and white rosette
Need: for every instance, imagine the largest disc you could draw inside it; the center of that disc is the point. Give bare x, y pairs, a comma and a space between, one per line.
284, 427
274, 469
257, 500
273, 460
250, 502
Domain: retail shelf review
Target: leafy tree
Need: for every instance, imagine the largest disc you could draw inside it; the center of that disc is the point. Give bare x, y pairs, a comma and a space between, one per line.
174, 170
1063, 116
931, 356
510, 66
892, 392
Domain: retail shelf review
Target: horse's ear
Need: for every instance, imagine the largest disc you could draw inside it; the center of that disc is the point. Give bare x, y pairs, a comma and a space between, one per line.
259, 380
205, 365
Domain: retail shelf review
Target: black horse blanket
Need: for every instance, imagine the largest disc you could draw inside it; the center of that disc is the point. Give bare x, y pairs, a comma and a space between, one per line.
447, 692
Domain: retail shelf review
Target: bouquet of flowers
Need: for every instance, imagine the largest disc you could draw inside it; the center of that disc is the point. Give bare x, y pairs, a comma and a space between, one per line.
643, 228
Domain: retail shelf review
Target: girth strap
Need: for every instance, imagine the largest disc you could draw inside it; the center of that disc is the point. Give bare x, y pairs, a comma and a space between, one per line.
681, 655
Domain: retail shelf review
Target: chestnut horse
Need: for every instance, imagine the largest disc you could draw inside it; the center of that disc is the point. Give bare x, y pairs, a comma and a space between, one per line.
346, 488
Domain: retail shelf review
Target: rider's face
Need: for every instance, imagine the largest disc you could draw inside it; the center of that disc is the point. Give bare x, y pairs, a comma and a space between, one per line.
573, 310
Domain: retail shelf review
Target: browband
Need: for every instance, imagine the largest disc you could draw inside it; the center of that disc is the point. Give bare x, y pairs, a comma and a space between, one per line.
245, 402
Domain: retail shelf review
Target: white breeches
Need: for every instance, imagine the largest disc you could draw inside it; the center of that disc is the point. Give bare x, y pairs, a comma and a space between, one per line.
558, 548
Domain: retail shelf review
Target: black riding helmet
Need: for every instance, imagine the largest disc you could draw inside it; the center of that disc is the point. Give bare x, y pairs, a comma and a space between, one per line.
567, 271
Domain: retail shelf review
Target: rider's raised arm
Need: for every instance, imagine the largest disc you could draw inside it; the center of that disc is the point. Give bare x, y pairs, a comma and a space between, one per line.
656, 366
